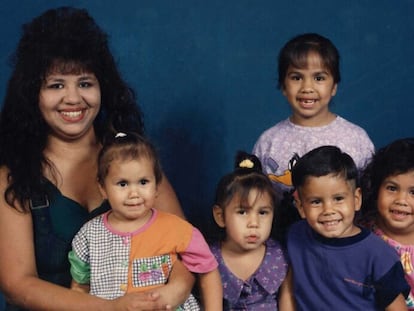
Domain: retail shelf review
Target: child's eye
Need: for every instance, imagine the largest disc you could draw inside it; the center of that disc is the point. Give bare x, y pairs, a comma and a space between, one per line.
241, 211
315, 202
391, 188
339, 198
319, 78
143, 181
122, 184
264, 212
295, 77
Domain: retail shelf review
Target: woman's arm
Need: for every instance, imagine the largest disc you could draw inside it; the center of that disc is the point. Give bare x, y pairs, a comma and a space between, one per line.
167, 200
83, 288
19, 281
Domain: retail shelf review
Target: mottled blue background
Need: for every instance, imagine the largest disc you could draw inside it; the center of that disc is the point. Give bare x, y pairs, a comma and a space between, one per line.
205, 72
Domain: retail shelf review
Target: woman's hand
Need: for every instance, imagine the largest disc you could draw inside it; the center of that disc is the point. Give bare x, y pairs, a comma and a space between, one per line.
139, 302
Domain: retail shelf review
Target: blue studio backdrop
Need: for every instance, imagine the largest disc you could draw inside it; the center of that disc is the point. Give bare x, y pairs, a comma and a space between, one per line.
205, 72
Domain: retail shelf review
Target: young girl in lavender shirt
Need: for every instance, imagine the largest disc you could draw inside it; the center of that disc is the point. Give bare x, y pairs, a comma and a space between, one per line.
309, 74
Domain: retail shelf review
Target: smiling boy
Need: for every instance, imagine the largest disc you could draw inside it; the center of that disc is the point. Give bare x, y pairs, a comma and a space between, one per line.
337, 265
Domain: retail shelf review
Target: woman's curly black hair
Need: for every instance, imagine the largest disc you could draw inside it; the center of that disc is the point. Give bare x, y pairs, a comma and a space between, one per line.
64, 40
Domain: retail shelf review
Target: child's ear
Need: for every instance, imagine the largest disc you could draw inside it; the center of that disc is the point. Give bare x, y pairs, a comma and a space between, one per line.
283, 89
299, 207
298, 203
218, 215
102, 191
358, 199
334, 89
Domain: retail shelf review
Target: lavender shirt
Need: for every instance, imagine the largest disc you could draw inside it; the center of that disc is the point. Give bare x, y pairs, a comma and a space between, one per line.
277, 145
260, 291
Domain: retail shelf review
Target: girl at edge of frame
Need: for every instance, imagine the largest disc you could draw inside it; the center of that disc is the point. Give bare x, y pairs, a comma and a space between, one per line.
388, 202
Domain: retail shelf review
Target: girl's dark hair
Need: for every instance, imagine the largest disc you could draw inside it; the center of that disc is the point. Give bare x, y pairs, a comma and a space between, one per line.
322, 161
127, 146
247, 175
64, 40
295, 52
394, 159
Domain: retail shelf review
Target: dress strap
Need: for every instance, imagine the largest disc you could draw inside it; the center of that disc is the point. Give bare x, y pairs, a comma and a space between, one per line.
39, 201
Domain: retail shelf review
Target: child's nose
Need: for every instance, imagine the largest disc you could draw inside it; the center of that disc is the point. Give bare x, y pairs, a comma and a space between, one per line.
307, 85
253, 221
133, 192
401, 198
327, 209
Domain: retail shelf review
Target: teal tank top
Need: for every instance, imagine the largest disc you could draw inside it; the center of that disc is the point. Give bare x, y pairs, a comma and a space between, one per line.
56, 220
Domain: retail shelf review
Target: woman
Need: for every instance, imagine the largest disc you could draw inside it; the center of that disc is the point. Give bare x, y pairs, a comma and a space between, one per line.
65, 95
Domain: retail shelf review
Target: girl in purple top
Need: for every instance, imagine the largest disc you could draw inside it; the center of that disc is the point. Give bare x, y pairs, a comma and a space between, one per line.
252, 265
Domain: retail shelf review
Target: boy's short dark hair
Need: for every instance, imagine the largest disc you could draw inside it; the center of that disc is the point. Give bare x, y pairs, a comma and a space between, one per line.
322, 161
295, 52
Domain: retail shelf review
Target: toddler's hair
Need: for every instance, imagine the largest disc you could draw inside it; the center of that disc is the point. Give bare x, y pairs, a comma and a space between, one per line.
394, 159
247, 175
323, 161
124, 147
295, 53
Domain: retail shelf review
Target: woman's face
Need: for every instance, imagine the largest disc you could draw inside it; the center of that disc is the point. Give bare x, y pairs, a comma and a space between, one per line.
69, 103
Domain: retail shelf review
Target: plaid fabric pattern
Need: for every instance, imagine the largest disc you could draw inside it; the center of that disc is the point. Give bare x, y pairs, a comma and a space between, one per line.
191, 304
108, 256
